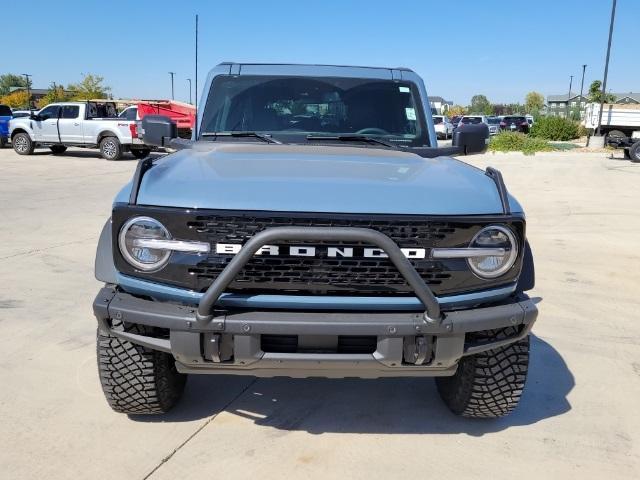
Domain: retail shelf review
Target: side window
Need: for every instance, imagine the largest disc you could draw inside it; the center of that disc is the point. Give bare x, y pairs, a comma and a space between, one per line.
70, 111
49, 112
131, 113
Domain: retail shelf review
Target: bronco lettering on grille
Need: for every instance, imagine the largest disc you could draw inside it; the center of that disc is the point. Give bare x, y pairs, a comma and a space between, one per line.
312, 251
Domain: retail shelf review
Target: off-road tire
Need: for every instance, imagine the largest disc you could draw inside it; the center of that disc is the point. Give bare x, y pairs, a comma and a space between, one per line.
110, 148
140, 153
136, 379
22, 144
488, 384
58, 149
634, 152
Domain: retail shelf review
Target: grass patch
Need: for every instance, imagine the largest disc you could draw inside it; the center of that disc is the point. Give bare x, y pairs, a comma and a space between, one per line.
519, 142
563, 146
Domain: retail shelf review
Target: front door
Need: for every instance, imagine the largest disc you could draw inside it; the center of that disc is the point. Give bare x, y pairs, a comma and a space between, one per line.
45, 129
70, 125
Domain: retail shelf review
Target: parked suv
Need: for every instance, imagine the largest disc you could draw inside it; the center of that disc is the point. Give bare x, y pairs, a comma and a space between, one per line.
313, 228
515, 123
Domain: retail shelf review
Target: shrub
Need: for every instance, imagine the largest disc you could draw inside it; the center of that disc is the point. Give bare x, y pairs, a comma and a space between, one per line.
555, 128
518, 142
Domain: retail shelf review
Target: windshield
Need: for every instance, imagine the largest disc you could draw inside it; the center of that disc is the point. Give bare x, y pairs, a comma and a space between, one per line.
437, 120
493, 121
301, 106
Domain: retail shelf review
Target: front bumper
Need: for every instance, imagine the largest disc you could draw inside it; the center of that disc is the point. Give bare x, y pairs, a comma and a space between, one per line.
230, 343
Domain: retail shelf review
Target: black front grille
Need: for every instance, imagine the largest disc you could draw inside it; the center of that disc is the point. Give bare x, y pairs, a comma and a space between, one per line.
319, 274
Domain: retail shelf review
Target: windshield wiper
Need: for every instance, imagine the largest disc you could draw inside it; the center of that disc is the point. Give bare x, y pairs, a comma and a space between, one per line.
261, 136
351, 138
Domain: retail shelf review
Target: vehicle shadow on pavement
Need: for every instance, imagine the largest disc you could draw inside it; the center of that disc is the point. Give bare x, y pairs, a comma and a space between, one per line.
391, 406
91, 154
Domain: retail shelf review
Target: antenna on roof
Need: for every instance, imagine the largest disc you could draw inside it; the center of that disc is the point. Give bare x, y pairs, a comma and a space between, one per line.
195, 125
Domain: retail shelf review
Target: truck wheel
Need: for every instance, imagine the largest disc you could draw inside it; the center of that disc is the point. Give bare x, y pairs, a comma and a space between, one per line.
488, 384
135, 379
616, 134
634, 152
140, 153
110, 148
22, 144
58, 149
3, 142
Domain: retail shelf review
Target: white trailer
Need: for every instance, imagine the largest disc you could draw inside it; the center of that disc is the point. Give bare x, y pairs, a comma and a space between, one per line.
620, 124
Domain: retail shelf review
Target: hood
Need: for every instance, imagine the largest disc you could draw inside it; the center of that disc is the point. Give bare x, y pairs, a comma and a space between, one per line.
304, 178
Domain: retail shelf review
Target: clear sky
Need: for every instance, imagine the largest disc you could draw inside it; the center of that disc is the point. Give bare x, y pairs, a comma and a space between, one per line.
502, 49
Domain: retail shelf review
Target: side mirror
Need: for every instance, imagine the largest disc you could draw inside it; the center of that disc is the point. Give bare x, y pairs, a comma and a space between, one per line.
158, 130
471, 138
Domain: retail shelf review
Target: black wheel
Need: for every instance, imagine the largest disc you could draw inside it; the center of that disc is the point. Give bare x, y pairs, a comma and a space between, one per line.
634, 152
626, 154
3, 142
22, 144
58, 149
140, 153
110, 148
616, 134
488, 384
135, 379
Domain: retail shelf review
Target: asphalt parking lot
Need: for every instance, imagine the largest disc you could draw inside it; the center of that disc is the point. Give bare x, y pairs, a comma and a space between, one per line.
579, 415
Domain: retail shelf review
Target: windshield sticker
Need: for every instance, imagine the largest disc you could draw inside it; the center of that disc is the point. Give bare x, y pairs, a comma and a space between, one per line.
411, 113
404, 89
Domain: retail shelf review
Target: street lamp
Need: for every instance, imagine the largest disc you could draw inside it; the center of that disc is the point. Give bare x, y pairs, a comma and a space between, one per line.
172, 74
569, 97
606, 68
189, 80
584, 67
28, 76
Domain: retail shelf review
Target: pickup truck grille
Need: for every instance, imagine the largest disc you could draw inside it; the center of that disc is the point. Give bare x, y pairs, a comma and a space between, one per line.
320, 274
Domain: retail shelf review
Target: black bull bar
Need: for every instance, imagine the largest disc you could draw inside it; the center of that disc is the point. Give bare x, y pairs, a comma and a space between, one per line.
207, 304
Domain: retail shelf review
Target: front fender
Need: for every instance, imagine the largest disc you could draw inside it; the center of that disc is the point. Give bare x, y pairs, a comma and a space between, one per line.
21, 126
105, 270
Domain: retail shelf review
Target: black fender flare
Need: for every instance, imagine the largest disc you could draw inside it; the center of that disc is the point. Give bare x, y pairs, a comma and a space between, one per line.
105, 270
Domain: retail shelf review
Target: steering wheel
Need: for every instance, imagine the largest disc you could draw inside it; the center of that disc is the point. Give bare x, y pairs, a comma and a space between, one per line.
372, 131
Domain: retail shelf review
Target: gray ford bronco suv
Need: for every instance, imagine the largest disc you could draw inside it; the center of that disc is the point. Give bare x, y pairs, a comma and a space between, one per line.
313, 228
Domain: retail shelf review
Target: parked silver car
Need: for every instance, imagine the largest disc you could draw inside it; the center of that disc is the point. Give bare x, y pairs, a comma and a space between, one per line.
443, 127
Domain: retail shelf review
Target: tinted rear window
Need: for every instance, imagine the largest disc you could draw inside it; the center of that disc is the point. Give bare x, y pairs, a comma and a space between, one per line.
493, 121
472, 120
5, 111
514, 119
437, 120
70, 111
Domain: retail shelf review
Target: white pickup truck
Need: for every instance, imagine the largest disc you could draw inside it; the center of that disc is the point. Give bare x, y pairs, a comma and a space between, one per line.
78, 124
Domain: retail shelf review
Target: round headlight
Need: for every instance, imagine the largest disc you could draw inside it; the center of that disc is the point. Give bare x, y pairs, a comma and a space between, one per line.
494, 237
131, 243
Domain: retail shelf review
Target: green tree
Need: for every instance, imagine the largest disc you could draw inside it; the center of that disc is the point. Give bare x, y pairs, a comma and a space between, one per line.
16, 99
55, 93
456, 110
90, 87
533, 102
595, 93
9, 80
480, 104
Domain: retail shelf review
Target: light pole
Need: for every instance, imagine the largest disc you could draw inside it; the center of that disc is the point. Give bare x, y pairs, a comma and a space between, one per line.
28, 76
172, 74
606, 68
569, 97
189, 80
584, 67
